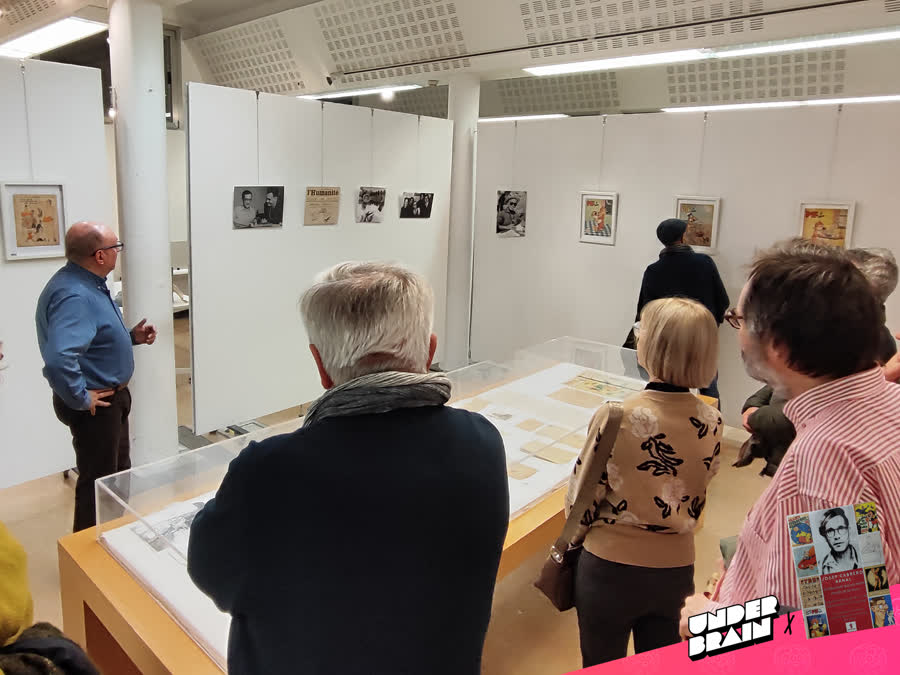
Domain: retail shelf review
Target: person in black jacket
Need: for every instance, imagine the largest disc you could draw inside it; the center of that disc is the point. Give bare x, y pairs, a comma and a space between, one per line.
368, 541
771, 433
681, 272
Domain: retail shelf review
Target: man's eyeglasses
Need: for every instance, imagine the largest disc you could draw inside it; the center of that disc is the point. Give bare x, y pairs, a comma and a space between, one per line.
831, 533
118, 246
733, 318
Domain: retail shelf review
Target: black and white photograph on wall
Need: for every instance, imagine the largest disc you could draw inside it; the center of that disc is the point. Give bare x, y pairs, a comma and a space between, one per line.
511, 209
257, 206
370, 205
416, 204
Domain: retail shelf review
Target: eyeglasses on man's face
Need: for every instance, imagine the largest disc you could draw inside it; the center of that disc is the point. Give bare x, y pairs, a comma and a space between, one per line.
118, 246
840, 531
734, 319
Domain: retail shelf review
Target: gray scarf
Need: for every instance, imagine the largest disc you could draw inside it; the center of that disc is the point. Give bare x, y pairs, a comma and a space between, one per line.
380, 393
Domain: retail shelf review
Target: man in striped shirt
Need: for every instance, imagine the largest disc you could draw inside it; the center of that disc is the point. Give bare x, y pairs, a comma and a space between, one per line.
809, 327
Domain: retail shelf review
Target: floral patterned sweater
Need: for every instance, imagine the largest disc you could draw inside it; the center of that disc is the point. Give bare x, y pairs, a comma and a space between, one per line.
654, 487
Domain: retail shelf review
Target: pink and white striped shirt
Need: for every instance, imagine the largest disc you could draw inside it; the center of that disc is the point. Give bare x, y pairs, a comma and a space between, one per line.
847, 451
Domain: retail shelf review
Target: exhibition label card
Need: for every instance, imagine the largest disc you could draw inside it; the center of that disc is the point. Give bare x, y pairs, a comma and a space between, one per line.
841, 574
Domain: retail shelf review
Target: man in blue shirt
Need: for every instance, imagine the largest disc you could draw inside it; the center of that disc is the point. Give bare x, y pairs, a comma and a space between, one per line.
87, 359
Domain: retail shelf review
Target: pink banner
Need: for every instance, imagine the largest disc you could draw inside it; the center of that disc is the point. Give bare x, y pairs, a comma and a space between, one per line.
864, 652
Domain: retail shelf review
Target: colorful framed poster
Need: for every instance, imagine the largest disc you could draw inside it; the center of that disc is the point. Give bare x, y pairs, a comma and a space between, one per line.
827, 223
702, 217
34, 220
599, 211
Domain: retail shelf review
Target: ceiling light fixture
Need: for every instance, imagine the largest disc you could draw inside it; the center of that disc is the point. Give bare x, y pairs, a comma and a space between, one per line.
686, 55
621, 62
818, 42
892, 98
522, 118
358, 92
50, 37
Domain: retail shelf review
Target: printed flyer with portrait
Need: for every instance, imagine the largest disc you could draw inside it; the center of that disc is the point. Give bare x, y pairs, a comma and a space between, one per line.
839, 562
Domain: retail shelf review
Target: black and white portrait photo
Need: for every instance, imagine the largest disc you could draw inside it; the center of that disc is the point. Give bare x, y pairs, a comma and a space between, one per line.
257, 206
416, 204
511, 207
836, 540
370, 205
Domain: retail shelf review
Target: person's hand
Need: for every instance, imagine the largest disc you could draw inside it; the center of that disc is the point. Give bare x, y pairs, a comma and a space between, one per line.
97, 396
144, 333
747, 413
693, 605
892, 367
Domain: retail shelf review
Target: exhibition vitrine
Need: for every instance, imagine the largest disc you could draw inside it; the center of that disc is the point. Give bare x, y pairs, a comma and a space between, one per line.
541, 400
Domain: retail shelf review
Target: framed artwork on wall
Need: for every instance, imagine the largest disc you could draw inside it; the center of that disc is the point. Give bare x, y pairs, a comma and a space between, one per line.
416, 204
512, 207
34, 220
370, 204
827, 223
323, 206
599, 211
255, 206
702, 217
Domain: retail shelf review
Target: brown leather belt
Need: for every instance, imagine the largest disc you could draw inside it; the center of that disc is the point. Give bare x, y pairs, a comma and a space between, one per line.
120, 387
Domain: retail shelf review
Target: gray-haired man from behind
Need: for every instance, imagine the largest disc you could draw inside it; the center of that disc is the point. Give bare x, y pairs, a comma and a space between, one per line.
368, 541
879, 266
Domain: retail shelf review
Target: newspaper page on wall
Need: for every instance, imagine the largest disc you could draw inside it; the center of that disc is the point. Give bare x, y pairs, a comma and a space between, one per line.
839, 562
323, 206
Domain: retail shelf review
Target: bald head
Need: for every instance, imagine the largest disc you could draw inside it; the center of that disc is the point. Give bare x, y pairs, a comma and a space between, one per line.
83, 238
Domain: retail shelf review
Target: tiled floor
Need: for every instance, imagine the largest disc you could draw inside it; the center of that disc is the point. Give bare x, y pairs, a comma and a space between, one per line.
527, 636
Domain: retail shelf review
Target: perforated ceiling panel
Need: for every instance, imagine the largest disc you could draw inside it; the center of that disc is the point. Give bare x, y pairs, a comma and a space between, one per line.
428, 101
572, 94
254, 55
584, 94
367, 34
776, 77
547, 21
18, 11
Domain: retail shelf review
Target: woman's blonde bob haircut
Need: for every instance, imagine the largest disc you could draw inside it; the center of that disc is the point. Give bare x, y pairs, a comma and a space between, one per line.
678, 342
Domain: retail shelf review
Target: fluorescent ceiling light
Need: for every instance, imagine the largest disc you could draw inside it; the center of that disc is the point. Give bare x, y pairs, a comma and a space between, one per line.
359, 92
621, 62
50, 37
821, 42
521, 118
786, 104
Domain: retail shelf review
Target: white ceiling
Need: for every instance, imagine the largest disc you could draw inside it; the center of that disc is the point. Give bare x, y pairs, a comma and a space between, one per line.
291, 46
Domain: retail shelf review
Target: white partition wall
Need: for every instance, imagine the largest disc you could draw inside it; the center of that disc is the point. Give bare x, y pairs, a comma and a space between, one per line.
761, 164
250, 353
51, 130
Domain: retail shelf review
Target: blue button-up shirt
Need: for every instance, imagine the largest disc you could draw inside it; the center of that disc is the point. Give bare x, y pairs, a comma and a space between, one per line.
82, 337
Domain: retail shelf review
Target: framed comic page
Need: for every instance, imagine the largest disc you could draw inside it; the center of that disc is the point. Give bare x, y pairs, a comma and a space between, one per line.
702, 217
599, 211
827, 223
34, 220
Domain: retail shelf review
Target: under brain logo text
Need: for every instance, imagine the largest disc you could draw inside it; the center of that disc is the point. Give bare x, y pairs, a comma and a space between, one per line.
732, 628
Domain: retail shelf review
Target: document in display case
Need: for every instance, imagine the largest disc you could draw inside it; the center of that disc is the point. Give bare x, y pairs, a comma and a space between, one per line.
541, 400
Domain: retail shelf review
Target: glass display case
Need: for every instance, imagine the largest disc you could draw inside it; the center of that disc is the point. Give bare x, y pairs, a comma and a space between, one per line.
541, 400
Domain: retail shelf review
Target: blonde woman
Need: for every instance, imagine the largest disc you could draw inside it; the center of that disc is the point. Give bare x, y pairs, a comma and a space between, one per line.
637, 565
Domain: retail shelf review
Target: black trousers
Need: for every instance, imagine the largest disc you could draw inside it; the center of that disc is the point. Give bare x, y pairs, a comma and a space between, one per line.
101, 447
613, 600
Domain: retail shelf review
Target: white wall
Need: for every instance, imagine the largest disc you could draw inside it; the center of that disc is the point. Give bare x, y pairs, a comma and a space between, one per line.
55, 133
761, 163
250, 355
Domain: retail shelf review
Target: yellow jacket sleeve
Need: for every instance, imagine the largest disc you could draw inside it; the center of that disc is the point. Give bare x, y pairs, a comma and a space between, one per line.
16, 607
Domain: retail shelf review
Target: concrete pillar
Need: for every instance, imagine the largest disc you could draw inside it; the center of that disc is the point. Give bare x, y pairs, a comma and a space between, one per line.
136, 60
463, 104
